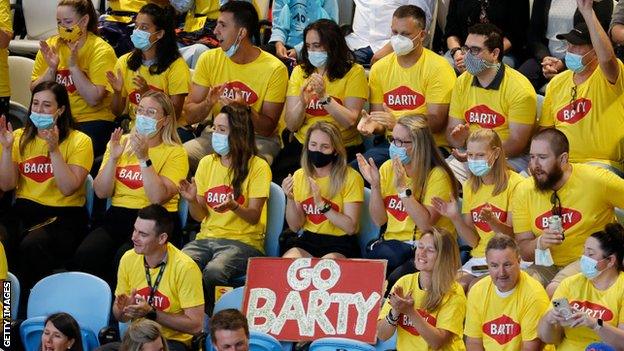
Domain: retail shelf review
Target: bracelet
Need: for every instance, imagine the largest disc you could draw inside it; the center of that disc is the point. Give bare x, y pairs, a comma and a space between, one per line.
237, 206
391, 319
326, 207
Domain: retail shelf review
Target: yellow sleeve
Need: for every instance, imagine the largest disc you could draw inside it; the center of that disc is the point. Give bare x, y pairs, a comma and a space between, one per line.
295, 82
176, 167
376, 92
535, 307
439, 88
353, 191
614, 187
202, 70
474, 315
523, 104
357, 86
80, 153
259, 179
179, 77
104, 60
300, 189
4, 268
278, 83
123, 280
5, 16
438, 185
191, 293
456, 107
547, 119
519, 205
452, 312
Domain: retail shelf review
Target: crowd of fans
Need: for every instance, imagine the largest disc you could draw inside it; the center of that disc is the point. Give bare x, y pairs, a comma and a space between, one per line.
501, 142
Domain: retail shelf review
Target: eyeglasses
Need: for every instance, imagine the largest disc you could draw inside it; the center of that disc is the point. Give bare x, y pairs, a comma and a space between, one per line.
398, 142
149, 112
555, 201
474, 50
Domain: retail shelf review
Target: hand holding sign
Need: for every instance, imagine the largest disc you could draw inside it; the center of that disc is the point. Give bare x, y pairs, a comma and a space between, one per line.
6, 133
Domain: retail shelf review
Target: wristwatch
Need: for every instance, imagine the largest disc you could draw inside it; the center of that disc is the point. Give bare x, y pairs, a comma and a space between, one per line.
405, 193
599, 324
326, 207
325, 101
146, 163
151, 315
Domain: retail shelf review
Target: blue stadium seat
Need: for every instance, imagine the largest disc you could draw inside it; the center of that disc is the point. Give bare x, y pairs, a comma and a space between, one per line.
342, 344
387, 345
368, 229
15, 294
32, 329
86, 297
259, 341
231, 299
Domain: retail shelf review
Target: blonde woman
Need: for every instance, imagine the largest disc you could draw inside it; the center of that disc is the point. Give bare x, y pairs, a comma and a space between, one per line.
486, 206
427, 308
402, 192
138, 169
324, 197
143, 335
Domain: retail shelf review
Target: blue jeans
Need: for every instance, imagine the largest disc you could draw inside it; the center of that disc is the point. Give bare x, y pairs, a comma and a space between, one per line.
99, 131
363, 56
400, 257
220, 260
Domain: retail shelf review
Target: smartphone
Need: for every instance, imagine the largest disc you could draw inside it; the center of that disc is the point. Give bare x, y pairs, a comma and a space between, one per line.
479, 269
563, 306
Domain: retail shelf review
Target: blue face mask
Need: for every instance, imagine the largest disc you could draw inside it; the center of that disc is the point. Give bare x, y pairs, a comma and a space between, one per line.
574, 62
220, 143
42, 120
141, 39
233, 48
589, 267
399, 152
317, 58
479, 167
145, 125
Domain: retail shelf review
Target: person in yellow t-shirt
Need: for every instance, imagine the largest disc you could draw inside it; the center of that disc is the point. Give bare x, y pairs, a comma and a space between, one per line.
47, 163
486, 206
586, 99
490, 95
228, 196
157, 281
6, 34
410, 80
237, 72
504, 308
402, 193
138, 169
594, 297
154, 64
427, 309
324, 198
327, 86
79, 59
583, 196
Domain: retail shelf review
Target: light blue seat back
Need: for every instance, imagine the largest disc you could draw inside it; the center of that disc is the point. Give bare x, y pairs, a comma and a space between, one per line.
368, 229
15, 294
276, 212
342, 344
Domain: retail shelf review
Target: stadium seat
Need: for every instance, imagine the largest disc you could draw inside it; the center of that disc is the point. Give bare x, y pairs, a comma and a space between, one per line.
40, 18
20, 69
15, 294
86, 297
259, 341
368, 229
342, 344
231, 299
387, 345
18, 114
32, 329
276, 212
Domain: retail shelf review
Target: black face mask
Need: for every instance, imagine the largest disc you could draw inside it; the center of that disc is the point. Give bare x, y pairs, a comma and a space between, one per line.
320, 159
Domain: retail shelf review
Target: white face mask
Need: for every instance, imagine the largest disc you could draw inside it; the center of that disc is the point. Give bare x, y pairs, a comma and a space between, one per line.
402, 45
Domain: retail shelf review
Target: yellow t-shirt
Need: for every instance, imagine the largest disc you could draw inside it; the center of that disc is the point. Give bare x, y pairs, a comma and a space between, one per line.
408, 90
604, 304
514, 101
588, 199
264, 79
501, 206
449, 316
503, 323
214, 185
595, 116
126, 6
36, 181
170, 161
400, 224
95, 58
179, 288
6, 24
4, 267
316, 222
174, 81
352, 85
207, 10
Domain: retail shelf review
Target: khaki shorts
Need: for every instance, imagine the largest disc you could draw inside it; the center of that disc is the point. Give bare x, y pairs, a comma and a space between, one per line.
547, 275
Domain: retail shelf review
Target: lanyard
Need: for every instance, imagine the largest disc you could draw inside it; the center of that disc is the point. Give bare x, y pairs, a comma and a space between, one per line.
148, 277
